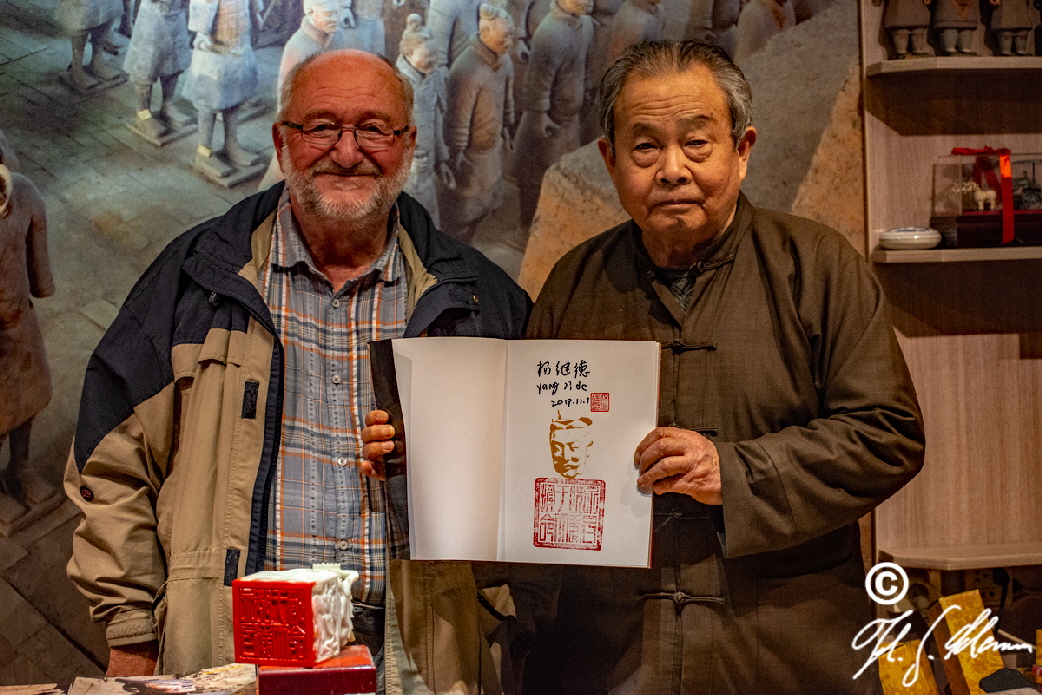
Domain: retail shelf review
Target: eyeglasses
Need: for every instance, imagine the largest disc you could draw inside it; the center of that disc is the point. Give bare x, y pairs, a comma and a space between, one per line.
369, 136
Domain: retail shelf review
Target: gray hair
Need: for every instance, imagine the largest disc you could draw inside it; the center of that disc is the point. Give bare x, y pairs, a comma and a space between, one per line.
652, 58
286, 91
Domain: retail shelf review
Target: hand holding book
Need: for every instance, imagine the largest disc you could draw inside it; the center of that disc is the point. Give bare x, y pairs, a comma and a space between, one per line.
377, 442
671, 459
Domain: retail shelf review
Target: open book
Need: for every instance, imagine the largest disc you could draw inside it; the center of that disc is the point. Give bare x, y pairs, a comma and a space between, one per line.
522, 451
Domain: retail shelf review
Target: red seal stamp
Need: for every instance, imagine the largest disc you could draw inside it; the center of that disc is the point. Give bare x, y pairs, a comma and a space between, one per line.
598, 402
568, 513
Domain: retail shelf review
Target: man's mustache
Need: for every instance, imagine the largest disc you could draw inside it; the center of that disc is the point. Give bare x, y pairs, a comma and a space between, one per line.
361, 169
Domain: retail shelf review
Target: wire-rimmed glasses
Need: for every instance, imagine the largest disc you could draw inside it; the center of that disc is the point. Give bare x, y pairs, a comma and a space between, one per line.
369, 136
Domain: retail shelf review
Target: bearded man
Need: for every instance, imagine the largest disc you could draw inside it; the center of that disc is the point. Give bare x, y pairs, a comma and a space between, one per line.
218, 430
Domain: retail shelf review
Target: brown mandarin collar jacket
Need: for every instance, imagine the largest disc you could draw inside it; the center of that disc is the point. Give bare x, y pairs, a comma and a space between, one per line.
787, 362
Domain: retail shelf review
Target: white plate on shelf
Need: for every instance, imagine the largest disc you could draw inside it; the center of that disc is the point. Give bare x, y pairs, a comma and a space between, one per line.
910, 239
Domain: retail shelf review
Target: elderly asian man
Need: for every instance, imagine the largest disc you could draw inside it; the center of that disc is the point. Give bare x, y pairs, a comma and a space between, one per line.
786, 413
786, 410
220, 419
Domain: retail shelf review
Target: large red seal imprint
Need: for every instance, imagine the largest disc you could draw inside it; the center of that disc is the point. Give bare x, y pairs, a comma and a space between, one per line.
598, 402
568, 513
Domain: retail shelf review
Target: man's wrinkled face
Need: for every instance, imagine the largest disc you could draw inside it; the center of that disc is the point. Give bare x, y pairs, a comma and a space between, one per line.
570, 448
345, 183
675, 165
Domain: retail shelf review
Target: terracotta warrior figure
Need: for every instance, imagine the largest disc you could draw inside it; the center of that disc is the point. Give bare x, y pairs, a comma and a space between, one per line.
1011, 22
25, 382
365, 24
603, 14
556, 88
478, 123
222, 76
431, 157
714, 22
637, 20
759, 22
452, 24
907, 22
320, 30
955, 22
93, 20
159, 50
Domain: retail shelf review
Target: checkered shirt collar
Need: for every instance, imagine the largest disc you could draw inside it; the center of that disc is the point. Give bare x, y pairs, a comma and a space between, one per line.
288, 249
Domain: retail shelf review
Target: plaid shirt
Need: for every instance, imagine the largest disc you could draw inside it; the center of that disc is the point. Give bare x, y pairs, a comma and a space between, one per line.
322, 508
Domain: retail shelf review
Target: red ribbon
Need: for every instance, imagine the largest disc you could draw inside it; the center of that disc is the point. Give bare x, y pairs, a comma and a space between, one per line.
982, 169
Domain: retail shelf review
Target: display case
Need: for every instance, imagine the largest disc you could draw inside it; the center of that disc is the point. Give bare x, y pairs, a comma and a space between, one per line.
968, 319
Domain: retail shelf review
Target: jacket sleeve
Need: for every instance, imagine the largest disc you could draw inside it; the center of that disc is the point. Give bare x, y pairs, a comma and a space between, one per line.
114, 474
787, 487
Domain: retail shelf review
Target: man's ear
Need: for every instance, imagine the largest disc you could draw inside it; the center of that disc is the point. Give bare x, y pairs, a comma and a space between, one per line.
607, 154
745, 145
276, 137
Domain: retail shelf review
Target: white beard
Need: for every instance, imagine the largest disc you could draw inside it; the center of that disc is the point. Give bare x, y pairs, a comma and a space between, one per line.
370, 210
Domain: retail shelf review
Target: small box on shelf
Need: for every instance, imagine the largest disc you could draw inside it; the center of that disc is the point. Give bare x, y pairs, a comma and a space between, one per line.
976, 195
983, 229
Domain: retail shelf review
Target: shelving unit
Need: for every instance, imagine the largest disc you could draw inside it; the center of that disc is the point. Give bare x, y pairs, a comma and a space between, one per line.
1010, 253
961, 65
969, 320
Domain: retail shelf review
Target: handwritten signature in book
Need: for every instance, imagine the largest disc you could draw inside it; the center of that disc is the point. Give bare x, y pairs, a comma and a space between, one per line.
578, 369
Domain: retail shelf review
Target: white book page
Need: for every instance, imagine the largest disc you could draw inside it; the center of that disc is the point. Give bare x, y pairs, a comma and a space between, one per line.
576, 410
452, 403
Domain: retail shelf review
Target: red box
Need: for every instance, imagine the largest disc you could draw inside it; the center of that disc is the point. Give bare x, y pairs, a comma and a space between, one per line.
274, 623
352, 671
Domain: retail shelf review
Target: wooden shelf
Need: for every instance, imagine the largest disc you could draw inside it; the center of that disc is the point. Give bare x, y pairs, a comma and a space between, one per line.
965, 557
954, 64
1012, 253
971, 332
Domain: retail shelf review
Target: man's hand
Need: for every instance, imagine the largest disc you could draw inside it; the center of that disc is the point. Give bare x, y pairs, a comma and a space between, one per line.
133, 660
376, 442
671, 459
203, 42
